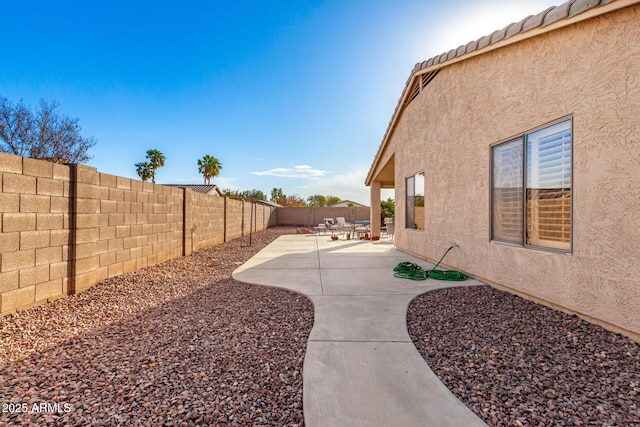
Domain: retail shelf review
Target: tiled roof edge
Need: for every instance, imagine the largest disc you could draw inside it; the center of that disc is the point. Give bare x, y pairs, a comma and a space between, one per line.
547, 17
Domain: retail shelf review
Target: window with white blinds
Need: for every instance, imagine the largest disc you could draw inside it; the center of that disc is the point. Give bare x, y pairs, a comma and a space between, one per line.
533, 208
506, 192
548, 185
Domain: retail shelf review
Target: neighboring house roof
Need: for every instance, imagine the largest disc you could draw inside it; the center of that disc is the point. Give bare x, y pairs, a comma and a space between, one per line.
267, 203
345, 203
548, 20
200, 188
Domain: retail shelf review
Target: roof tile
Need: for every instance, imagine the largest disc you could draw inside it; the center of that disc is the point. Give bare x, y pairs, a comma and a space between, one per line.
535, 20
198, 188
498, 35
451, 54
580, 6
472, 45
557, 13
507, 28
461, 50
517, 27
485, 41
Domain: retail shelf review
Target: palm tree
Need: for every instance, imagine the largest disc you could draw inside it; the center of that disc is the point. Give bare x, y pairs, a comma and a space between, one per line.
209, 167
276, 195
144, 170
156, 159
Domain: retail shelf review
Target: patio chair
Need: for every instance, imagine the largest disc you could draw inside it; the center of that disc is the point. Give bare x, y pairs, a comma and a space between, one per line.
330, 225
388, 227
320, 228
361, 228
344, 225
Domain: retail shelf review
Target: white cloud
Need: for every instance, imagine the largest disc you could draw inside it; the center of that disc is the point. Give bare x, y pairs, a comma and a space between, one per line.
300, 171
348, 185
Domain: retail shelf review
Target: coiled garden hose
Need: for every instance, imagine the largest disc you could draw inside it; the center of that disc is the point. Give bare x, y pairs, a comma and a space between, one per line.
411, 271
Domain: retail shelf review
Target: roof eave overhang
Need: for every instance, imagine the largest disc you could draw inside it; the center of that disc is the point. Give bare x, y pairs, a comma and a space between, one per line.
460, 54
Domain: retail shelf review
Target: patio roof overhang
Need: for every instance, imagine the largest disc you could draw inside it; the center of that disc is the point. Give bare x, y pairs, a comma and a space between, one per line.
386, 175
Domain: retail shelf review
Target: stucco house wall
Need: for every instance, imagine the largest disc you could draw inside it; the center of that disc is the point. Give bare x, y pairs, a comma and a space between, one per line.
589, 71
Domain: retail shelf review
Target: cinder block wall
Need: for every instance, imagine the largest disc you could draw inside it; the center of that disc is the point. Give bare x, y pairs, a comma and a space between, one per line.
65, 228
263, 216
235, 211
35, 242
310, 217
206, 221
122, 225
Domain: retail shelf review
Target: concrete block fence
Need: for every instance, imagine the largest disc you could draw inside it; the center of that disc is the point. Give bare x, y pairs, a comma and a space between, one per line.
64, 228
310, 217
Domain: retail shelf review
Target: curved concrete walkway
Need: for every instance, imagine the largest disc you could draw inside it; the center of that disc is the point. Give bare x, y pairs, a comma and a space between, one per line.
361, 368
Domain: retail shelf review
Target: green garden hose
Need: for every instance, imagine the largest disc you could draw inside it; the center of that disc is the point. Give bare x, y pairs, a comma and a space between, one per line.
411, 271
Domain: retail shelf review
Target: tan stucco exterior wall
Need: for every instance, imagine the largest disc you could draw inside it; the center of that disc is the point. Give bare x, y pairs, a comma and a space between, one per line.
589, 71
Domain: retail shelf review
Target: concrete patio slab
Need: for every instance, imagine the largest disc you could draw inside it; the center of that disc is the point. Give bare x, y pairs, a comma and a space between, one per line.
361, 368
369, 281
359, 261
306, 282
362, 318
376, 384
284, 262
276, 252
357, 247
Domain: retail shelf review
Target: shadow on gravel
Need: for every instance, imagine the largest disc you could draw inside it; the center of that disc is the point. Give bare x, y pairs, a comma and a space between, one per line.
225, 353
515, 362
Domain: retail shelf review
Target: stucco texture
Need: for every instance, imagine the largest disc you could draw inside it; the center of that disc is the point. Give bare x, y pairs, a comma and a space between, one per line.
589, 71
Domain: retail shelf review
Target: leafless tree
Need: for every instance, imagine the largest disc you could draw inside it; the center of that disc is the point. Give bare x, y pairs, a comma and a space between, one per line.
43, 134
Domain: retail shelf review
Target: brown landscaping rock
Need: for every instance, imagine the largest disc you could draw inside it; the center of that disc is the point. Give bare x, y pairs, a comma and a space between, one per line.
179, 343
515, 362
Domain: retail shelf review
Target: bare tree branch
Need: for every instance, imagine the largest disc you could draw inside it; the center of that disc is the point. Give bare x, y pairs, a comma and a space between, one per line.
42, 135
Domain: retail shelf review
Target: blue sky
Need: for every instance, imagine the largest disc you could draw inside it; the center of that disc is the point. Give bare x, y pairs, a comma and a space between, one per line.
290, 94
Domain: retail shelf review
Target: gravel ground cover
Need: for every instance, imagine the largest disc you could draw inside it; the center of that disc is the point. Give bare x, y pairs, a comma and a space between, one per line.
179, 343
515, 362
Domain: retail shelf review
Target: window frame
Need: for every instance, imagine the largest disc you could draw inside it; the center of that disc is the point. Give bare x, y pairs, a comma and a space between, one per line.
492, 231
522, 137
415, 177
